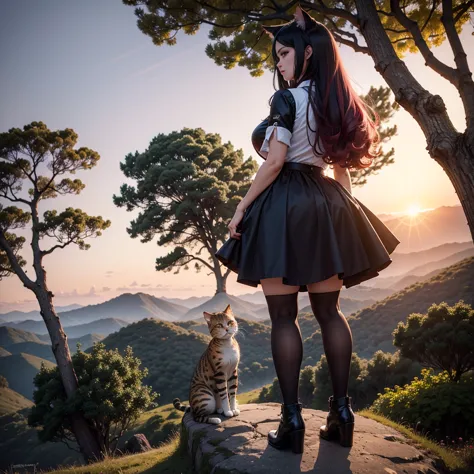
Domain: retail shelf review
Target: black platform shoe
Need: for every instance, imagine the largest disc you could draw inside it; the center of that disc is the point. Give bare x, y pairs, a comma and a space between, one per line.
290, 432
340, 421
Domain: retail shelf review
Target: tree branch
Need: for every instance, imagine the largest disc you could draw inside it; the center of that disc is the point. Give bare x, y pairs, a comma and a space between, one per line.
14, 263
442, 69
197, 258
52, 249
462, 9
338, 12
466, 85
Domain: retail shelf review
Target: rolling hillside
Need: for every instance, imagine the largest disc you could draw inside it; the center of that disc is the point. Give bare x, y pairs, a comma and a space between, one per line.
20, 369
9, 336
11, 401
372, 327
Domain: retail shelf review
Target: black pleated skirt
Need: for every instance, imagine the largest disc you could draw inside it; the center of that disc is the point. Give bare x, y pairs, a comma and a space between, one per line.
306, 227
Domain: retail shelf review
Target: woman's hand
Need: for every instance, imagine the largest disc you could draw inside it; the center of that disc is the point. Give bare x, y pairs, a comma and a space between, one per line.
239, 214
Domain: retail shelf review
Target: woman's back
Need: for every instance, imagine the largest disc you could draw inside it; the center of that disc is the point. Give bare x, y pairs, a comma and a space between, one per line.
288, 118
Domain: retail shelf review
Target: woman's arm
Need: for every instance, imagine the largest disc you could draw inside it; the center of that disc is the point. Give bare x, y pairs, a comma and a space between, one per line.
343, 176
267, 172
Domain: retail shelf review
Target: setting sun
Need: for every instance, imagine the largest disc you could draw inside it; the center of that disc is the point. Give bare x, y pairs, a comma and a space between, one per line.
414, 210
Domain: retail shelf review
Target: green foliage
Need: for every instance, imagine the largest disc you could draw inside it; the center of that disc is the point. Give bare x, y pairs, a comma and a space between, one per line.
249, 47
188, 186
387, 370
442, 339
271, 394
306, 385
21, 154
323, 385
433, 403
110, 395
372, 328
238, 39
366, 380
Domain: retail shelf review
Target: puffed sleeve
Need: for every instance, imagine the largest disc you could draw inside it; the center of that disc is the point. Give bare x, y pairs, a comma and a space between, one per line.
258, 136
281, 119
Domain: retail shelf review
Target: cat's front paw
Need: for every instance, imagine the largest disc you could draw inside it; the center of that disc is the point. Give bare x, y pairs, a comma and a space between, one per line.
229, 413
236, 411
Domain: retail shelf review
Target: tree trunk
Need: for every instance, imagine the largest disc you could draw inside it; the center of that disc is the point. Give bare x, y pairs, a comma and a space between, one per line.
460, 169
221, 283
452, 150
85, 436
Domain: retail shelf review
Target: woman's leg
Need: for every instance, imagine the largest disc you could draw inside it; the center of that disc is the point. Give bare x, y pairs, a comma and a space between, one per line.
287, 344
336, 333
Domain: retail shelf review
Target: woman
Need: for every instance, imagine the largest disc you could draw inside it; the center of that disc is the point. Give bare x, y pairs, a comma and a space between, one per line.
300, 230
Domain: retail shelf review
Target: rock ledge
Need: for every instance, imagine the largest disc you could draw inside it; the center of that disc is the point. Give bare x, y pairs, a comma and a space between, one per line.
239, 445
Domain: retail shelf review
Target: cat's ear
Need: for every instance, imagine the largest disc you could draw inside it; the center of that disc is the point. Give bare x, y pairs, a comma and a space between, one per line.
272, 30
207, 316
228, 310
303, 19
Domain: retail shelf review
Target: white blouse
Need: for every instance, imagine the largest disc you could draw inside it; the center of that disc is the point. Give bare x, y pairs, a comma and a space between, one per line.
299, 149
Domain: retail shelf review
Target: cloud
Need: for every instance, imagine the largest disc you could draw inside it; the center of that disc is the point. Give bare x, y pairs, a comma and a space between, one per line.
75, 294
134, 284
105, 289
160, 288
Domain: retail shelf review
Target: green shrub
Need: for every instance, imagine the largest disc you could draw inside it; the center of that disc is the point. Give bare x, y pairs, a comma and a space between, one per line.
433, 404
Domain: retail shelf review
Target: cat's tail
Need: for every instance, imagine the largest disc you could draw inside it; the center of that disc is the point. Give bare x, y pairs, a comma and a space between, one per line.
179, 406
200, 419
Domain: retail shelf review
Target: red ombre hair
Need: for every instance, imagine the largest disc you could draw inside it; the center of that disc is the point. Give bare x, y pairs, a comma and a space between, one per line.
346, 126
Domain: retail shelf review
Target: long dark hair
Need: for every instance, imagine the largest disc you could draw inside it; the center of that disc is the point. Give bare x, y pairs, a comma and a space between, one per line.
344, 124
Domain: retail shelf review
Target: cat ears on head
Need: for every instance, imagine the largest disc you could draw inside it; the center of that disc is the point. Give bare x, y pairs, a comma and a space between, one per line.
303, 20
207, 316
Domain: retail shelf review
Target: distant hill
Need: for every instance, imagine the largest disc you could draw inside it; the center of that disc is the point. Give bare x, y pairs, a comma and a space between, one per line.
4, 352
191, 302
218, 303
372, 327
11, 401
419, 264
445, 262
86, 341
30, 343
429, 229
20, 369
101, 326
9, 336
127, 307
14, 316
42, 350
167, 350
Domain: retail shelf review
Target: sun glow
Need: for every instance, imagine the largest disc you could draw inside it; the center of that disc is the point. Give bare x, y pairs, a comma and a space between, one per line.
414, 210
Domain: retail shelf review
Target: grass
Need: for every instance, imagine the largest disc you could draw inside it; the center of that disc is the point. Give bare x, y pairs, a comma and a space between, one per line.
169, 458
447, 460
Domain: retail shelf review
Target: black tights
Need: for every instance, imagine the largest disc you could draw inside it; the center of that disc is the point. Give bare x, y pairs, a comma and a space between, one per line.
337, 338
287, 344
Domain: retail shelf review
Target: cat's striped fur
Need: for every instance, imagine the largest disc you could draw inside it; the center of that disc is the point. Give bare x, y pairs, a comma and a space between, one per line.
215, 380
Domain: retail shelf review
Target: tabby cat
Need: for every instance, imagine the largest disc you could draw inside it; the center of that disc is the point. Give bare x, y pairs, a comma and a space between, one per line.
215, 381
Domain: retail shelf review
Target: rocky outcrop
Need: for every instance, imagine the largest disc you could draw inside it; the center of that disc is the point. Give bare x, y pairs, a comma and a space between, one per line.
239, 445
